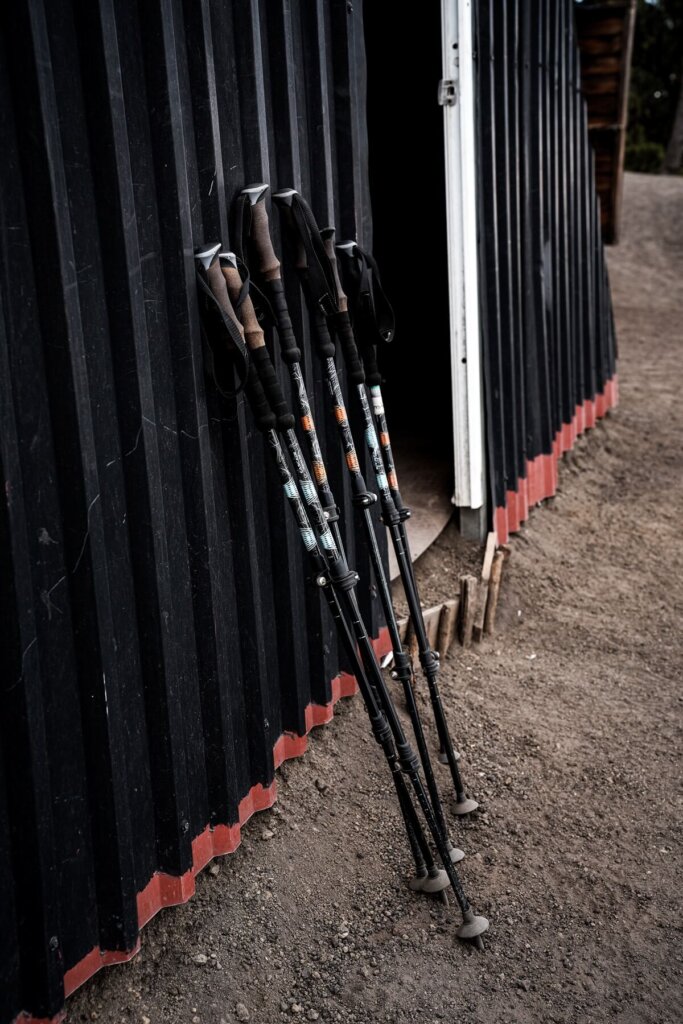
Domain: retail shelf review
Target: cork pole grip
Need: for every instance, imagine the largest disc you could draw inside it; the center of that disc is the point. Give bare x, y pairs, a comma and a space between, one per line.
216, 281
328, 241
253, 335
268, 263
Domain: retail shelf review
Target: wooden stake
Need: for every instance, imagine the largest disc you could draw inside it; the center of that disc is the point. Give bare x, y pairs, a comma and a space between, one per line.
483, 588
447, 624
494, 590
468, 607
431, 620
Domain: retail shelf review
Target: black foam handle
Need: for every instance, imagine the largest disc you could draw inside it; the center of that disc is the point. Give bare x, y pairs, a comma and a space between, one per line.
260, 358
321, 335
263, 414
291, 353
344, 331
372, 374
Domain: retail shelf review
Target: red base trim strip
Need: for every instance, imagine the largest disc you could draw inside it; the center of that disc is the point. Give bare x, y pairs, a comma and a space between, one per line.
542, 472
164, 890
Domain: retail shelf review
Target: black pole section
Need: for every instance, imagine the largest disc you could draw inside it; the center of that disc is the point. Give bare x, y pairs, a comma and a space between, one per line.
342, 328
232, 295
332, 574
395, 513
268, 264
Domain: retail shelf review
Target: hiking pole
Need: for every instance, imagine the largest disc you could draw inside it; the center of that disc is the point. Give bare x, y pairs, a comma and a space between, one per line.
333, 576
321, 284
374, 320
428, 878
253, 227
259, 233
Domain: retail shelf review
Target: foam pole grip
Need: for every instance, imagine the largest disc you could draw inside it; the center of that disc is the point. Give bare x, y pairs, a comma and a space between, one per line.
263, 414
253, 334
344, 332
268, 263
285, 208
217, 284
321, 335
291, 353
372, 374
256, 343
260, 358
341, 319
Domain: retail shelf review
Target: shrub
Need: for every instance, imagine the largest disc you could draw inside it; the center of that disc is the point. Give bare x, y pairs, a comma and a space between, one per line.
647, 157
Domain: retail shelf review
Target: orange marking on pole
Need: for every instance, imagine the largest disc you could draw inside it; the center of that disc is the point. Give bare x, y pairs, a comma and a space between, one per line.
319, 472
352, 461
307, 423
340, 413
384, 440
393, 482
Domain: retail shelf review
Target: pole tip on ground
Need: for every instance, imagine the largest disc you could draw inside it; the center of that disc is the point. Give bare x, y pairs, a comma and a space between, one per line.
465, 806
443, 756
417, 882
472, 928
436, 882
456, 854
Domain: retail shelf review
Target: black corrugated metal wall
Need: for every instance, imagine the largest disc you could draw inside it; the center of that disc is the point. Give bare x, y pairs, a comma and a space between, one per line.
548, 340
158, 636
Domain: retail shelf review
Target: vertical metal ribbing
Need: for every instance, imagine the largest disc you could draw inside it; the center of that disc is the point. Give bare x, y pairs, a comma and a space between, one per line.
29, 852
10, 977
40, 721
214, 593
287, 689
565, 215
342, 151
139, 590
249, 483
151, 463
294, 159
85, 435
528, 235
495, 399
521, 338
548, 340
502, 87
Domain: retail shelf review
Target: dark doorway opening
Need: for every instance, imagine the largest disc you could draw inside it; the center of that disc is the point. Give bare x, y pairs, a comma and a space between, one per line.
407, 188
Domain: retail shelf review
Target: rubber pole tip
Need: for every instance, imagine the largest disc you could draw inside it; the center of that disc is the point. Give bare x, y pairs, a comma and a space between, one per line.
465, 806
436, 882
417, 882
456, 854
472, 926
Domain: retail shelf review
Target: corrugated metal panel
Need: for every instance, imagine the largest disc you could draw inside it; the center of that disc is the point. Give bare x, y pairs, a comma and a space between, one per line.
161, 651
547, 331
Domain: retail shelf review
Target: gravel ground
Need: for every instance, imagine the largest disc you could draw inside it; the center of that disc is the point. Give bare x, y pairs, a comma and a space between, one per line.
569, 721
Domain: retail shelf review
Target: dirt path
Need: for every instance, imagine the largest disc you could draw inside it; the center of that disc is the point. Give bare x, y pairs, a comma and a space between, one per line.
571, 726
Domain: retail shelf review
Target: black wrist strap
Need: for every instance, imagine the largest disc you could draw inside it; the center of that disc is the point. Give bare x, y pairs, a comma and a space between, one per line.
371, 310
319, 276
241, 226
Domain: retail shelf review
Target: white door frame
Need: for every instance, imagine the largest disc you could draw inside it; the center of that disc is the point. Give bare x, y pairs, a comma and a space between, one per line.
457, 97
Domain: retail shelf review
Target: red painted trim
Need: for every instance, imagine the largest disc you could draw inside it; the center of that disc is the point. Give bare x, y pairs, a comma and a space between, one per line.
164, 890
541, 477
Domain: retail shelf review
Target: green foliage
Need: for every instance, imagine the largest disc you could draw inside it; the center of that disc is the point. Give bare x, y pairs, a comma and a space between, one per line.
647, 157
655, 80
